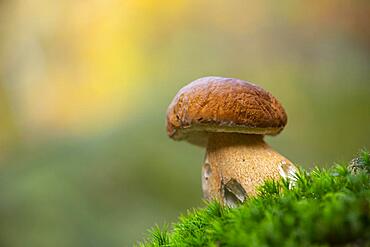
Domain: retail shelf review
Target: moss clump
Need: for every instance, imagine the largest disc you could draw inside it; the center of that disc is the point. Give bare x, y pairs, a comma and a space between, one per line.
326, 207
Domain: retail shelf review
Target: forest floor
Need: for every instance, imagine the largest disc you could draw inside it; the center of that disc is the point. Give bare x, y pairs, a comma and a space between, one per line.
325, 207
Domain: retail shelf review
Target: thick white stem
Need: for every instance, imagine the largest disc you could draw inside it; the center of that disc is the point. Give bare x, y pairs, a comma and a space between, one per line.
235, 164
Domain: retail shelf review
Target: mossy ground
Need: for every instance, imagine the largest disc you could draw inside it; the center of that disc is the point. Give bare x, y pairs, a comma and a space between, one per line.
326, 207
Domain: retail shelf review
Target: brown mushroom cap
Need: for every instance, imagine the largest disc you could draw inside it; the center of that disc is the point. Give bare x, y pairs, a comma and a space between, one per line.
216, 104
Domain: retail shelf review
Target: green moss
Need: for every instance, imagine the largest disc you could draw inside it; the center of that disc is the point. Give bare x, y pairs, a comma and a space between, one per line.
326, 207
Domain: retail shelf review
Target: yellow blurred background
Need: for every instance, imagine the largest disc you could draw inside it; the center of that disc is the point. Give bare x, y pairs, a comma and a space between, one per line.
84, 87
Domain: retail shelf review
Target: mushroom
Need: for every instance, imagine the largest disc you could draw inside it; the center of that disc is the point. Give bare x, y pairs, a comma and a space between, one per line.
230, 118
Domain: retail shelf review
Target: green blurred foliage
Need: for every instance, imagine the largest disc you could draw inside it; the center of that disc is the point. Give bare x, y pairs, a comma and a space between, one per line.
105, 188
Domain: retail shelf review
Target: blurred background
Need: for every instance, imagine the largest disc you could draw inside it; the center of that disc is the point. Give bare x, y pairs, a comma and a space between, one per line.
84, 87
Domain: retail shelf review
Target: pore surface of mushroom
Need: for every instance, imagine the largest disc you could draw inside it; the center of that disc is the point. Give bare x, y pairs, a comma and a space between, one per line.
230, 118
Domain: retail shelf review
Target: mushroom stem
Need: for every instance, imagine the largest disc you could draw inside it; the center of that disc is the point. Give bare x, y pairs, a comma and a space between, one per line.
235, 164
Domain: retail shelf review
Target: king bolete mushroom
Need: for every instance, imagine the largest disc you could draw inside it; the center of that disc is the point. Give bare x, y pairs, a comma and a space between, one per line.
230, 118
